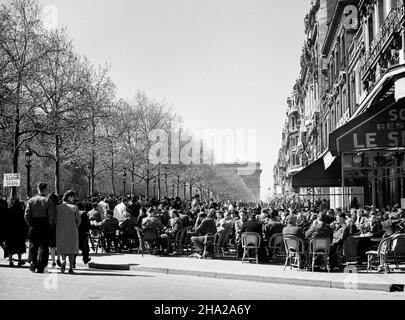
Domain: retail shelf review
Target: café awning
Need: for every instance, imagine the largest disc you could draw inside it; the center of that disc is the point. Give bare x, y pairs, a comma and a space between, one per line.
382, 126
315, 175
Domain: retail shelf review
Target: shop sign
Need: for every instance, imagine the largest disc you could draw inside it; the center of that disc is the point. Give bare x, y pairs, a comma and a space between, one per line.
385, 129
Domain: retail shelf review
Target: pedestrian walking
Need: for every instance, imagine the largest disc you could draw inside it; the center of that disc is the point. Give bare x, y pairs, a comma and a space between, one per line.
16, 232
84, 229
67, 233
40, 216
52, 242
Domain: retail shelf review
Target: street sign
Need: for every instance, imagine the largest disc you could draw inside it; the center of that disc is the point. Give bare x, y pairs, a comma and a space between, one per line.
11, 180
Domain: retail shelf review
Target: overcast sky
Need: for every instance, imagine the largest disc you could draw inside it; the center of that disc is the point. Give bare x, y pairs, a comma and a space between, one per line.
222, 64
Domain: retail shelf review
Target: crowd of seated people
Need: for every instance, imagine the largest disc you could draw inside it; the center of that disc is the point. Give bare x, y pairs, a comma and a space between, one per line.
335, 225
117, 218
161, 220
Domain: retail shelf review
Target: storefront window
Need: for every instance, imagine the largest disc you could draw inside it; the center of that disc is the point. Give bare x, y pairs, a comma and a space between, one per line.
380, 173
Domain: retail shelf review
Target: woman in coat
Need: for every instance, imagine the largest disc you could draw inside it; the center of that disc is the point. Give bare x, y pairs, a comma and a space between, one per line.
16, 232
67, 234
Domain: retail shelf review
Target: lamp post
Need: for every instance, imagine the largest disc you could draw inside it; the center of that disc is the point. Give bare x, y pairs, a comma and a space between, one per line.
154, 188
28, 155
124, 180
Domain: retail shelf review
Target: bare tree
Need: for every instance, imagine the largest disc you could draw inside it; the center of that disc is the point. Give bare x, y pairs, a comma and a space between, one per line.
22, 49
58, 85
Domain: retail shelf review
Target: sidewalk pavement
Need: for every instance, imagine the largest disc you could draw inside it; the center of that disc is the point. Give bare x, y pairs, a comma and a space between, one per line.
234, 269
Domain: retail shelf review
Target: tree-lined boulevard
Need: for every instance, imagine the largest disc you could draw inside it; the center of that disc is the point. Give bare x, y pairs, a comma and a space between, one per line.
57, 105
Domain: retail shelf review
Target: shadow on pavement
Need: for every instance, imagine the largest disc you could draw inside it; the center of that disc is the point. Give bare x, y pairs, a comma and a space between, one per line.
92, 273
26, 266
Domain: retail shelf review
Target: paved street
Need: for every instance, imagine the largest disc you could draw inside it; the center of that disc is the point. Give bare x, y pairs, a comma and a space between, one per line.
110, 285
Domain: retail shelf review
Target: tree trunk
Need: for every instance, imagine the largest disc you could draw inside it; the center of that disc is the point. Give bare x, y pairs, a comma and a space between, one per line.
147, 183
112, 172
89, 186
191, 191
166, 186
15, 169
133, 180
202, 193
16, 135
92, 165
178, 186
158, 195
57, 165
93, 154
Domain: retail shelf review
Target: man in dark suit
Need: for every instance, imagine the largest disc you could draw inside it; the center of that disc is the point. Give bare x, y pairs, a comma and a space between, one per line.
127, 230
109, 226
135, 207
340, 234
320, 229
252, 225
273, 226
207, 226
40, 217
170, 232
291, 229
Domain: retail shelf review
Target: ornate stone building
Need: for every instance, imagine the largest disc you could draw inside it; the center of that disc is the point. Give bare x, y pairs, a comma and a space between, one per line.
350, 98
301, 138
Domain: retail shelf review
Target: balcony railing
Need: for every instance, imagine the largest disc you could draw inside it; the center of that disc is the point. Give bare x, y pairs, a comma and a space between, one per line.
391, 25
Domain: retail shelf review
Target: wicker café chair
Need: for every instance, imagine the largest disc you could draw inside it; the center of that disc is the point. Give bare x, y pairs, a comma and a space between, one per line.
319, 247
251, 241
380, 256
146, 244
178, 241
217, 242
398, 248
276, 245
295, 251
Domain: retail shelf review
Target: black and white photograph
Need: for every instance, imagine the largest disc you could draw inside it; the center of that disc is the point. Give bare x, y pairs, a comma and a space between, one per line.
202, 156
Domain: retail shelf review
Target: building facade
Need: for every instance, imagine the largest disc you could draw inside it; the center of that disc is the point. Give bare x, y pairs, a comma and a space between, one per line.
352, 77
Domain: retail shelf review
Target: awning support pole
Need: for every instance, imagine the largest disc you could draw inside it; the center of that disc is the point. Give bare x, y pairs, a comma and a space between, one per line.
313, 197
373, 195
343, 180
